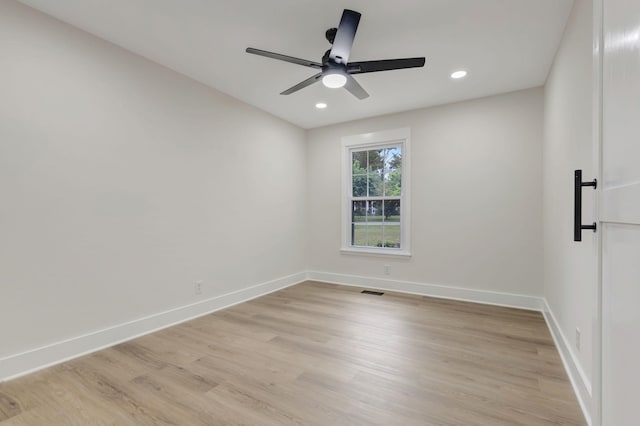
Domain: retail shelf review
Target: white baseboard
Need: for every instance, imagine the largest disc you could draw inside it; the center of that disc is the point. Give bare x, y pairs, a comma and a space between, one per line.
579, 380
533, 303
30, 361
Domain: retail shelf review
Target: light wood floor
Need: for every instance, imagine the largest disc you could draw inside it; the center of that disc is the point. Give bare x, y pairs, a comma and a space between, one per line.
314, 354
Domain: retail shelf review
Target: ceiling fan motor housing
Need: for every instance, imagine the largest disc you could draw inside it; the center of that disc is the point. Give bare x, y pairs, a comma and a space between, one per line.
331, 34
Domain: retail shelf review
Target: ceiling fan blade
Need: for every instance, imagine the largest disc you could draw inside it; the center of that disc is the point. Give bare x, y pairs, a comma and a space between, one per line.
285, 58
344, 37
303, 84
384, 65
355, 88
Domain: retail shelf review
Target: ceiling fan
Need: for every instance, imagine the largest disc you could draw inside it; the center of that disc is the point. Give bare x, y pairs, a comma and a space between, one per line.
335, 69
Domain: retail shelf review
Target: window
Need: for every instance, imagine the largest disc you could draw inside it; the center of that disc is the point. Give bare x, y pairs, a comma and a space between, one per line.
376, 181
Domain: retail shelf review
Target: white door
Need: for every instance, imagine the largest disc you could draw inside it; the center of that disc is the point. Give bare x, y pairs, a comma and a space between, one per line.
620, 213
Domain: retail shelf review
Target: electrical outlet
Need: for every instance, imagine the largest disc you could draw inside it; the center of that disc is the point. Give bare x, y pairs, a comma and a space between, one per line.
198, 287
387, 269
577, 338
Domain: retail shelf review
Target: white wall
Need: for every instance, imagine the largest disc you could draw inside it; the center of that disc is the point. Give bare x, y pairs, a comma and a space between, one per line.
123, 182
570, 267
476, 195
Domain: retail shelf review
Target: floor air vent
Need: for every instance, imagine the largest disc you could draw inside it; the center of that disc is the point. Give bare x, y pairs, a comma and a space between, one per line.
375, 293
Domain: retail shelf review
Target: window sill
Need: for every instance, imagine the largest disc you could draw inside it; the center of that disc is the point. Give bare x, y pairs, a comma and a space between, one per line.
374, 252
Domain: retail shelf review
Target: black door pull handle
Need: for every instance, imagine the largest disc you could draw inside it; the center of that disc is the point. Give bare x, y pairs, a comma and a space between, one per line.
578, 184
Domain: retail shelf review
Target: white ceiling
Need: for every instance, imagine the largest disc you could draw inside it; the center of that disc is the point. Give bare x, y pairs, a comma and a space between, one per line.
505, 45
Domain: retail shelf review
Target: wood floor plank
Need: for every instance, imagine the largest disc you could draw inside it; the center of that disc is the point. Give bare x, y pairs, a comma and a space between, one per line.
315, 354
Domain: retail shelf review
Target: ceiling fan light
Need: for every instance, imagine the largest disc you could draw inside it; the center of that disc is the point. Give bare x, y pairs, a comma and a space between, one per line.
458, 74
334, 80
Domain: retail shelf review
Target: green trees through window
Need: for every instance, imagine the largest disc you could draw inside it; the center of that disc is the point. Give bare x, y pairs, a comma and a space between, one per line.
376, 189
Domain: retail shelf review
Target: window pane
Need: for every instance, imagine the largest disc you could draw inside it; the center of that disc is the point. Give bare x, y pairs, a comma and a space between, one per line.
359, 184
374, 231
393, 159
359, 211
359, 162
391, 234
393, 183
393, 172
375, 185
392, 210
375, 211
358, 235
376, 172
376, 160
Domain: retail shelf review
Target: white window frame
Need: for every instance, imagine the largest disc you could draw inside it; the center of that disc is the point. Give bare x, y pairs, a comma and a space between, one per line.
371, 141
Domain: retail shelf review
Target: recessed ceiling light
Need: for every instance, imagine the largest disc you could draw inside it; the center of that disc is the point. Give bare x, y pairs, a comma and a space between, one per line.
321, 105
458, 74
335, 80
